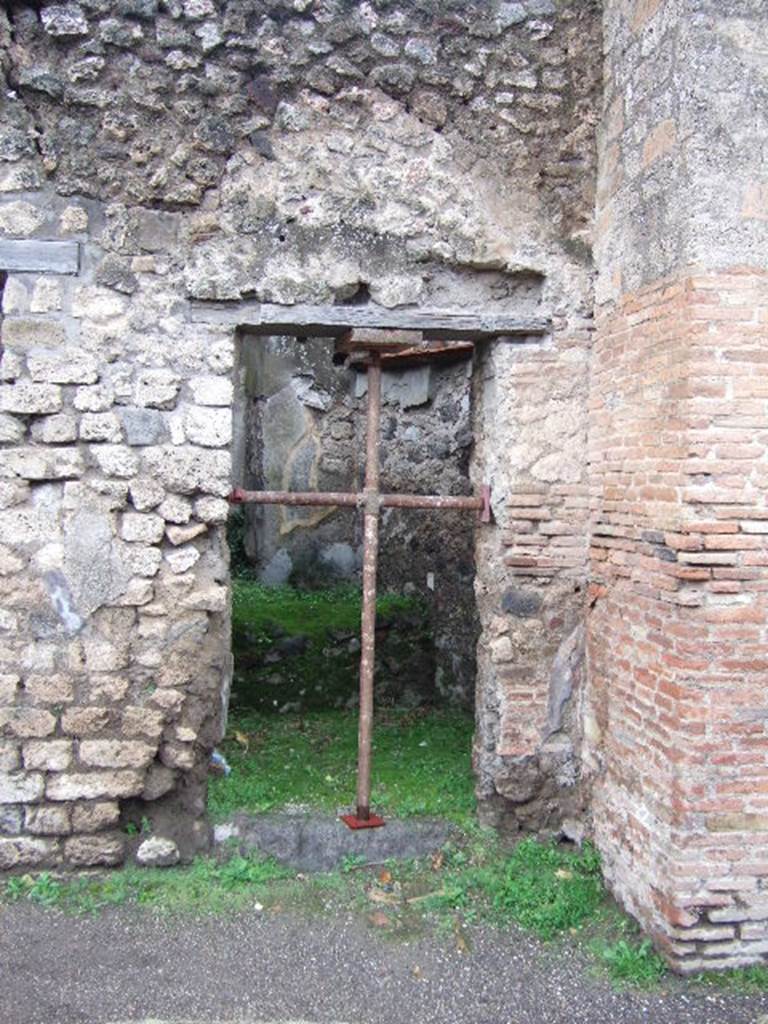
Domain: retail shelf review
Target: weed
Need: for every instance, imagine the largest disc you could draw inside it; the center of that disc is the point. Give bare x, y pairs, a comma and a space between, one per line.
743, 979
633, 963
41, 889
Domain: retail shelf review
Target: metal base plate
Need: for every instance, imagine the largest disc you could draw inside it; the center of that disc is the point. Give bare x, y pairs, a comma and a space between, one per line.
352, 821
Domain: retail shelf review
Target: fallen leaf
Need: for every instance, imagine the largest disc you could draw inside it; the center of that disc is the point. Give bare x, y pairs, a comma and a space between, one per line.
416, 972
242, 739
564, 874
385, 878
437, 861
379, 919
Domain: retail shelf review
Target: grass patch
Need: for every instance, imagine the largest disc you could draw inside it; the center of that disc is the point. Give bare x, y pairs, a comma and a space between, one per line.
299, 649
743, 980
421, 763
632, 963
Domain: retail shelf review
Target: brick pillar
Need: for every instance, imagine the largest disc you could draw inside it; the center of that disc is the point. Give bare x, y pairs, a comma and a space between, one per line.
676, 711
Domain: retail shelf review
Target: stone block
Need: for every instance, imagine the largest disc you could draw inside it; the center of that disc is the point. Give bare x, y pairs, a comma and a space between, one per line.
32, 463
47, 295
179, 535
103, 655
96, 816
145, 527
182, 559
11, 819
208, 426
156, 389
24, 851
47, 820
26, 722
30, 399
146, 493
159, 781
73, 220
141, 721
64, 20
137, 593
58, 429
100, 426
142, 559
92, 850
20, 787
95, 784
213, 598
187, 469
11, 366
20, 334
176, 509
115, 460
210, 390
96, 398
158, 852
144, 426
212, 510
85, 721
116, 753
11, 429
48, 755
15, 296
177, 755
62, 366
50, 689
10, 755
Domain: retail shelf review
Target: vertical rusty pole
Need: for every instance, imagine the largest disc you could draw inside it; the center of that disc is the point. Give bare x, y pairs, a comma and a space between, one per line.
370, 558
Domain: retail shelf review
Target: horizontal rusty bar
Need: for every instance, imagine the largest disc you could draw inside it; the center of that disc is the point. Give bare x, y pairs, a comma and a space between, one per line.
350, 499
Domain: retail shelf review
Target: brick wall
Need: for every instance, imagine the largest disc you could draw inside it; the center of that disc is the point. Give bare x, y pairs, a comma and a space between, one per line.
678, 635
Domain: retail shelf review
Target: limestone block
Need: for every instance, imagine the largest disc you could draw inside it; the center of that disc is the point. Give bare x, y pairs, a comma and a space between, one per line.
47, 295
142, 559
15, 296
182, 558
11, 819
156, 388
64, 20
115, 459
116, 753
20, 334
176, 509
20, 218
141, 721
49, 689
47, 820
10, 755
178, 535
146, 494
104, 656
158, 852
108, 688
90, 850
49, 755
9, 682
11, 429
213, 598
58, 429
25, 852
30, 399
26, 722
97, 303
146, 527
32, 463
159, 781
186, 469
11, 366
210, 390
63, 366
20, 787
100, 426
144, 426
96, 398
208, 426
137, 593
212, 510
74, 219
92, 785
93, 817
84, 721
177, 755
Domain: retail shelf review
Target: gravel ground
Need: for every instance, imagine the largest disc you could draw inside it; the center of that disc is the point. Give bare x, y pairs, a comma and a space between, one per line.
128, 965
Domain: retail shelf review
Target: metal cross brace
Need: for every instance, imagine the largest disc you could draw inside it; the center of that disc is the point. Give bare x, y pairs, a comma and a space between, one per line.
371, 501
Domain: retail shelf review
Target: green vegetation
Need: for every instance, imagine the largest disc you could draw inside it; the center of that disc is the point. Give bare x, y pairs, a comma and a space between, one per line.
299, 649
421, 763
633, 963
743, 980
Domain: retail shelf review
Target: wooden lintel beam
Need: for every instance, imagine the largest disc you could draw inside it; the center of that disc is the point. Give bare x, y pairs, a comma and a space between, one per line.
334, 321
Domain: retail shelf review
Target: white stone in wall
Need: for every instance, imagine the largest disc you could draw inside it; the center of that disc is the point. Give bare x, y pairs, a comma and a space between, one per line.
20, 788
100, 426
27, 722
20, 218
8, 685
98, 398
138, 592
73, 219
48, 755
32, 463
182, 559
210, 390
47, 295
142, 559
104, 656
178, 535
146, 493
97, 303
9, 561
91, 785
212, 598
49, 689
24, 333
70, 366
11, 366
116, 753
146, 527
50, 820
208, 426
30, 399
176, 509
11, 429
115, 459
58, 429
156, 388
212, 510
15, 296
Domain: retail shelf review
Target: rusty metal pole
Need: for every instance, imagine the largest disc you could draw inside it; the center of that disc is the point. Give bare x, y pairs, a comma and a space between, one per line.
370, 559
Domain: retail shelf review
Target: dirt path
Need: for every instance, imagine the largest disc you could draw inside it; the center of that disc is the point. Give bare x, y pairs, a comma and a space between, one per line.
129, 966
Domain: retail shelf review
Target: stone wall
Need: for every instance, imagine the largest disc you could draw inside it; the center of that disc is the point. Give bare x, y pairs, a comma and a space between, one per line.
436, 154
675, 711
